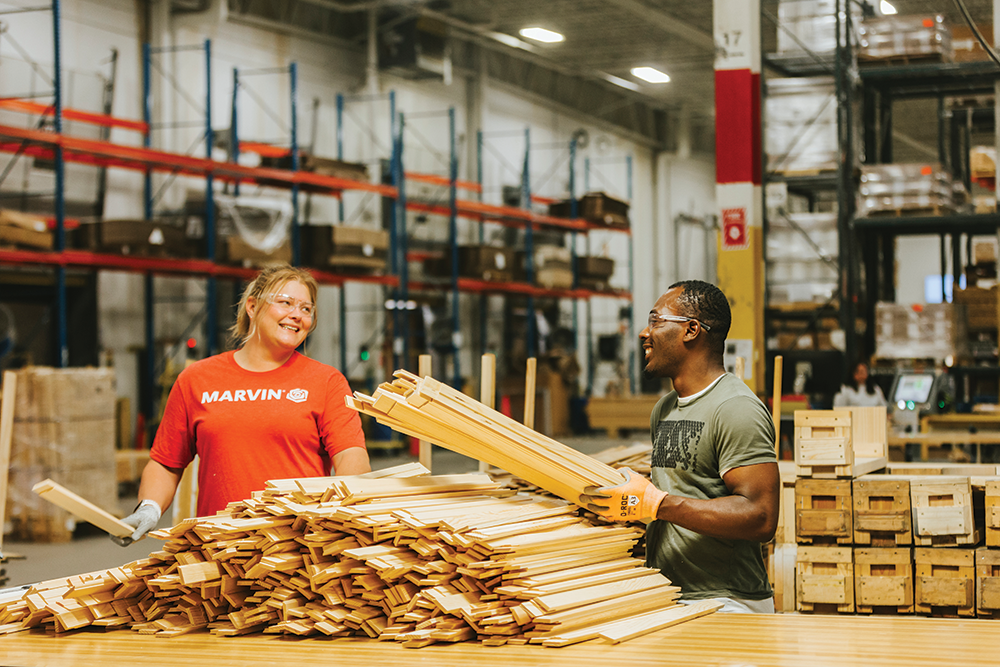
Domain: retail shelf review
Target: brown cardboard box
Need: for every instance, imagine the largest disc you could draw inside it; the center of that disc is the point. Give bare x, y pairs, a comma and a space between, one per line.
239, 251
345, 247
51, 394
596, 207
133, 237
24, 229
594, 272
965, 45
482, 262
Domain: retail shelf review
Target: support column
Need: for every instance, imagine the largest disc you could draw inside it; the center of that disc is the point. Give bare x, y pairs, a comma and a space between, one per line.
738, 180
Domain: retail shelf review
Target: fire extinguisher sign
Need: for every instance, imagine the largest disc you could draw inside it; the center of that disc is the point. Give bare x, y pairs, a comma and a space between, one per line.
734, 229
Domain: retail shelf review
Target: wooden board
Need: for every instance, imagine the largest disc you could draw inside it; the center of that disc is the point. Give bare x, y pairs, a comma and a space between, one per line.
84, 509
6, 435
776, 640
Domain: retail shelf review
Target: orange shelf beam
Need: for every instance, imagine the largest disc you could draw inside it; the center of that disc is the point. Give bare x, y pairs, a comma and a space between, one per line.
104, 120
164, 265
133, 157
492, 287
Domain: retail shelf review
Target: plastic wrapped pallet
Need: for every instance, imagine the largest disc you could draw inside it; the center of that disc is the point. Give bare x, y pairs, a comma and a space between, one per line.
900, 188
802, 251
810, 24
64, 429
929, 331
801, 130
920, 36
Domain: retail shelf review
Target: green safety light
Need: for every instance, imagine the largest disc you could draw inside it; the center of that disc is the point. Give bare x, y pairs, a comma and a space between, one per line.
909, 405
364, 353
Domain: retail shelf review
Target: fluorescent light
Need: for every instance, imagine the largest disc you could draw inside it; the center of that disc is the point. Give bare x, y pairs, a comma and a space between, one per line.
541, 35
886, 8
611, 78
650, 74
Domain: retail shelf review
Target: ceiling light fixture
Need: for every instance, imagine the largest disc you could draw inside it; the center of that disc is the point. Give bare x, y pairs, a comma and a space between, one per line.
650, 74
541, 35
886, 8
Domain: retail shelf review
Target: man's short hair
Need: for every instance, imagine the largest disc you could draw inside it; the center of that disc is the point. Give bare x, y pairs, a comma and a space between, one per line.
706, 302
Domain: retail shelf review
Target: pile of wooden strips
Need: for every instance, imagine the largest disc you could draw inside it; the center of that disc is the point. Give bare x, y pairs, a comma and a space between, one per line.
418, 560
432, 411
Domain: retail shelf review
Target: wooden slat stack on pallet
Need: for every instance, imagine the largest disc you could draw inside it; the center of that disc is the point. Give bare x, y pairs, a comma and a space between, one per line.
417, 560
64, 429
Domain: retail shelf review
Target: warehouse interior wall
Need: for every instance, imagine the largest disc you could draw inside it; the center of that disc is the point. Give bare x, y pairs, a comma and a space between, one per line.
663, 184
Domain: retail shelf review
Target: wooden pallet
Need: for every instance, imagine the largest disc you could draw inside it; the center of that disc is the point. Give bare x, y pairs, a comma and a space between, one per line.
882, 516
944, 581
909, 212
883, 581
824, 579
823, 511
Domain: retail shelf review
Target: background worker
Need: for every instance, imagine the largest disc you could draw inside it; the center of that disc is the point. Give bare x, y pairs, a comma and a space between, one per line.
262, 411
859, 390
714, 495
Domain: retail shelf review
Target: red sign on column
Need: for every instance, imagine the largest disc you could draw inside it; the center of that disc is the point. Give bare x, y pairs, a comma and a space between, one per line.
734, 229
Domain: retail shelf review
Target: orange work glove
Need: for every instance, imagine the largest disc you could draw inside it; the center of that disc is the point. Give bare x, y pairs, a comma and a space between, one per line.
635, 500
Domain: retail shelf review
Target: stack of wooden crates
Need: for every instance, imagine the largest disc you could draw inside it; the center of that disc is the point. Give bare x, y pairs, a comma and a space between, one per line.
64, 429
855, 542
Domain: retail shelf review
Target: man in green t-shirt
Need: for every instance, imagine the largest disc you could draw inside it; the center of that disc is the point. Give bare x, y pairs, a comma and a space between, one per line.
714, 495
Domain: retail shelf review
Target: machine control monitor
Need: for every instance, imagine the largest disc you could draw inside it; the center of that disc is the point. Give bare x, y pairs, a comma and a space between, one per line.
915, 388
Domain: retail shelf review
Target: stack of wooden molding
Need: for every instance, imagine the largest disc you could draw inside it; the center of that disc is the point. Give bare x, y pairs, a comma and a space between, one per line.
417, 560
432, 411
637, 456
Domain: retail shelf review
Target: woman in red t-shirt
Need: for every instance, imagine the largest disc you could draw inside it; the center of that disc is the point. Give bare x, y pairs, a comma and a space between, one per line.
261, 411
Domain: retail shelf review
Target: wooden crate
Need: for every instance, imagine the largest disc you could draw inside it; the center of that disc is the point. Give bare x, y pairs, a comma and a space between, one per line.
942, 511
944, 581
882, 515
824, 579
992, 520
987, 583
823, 511
883, 580
847, 442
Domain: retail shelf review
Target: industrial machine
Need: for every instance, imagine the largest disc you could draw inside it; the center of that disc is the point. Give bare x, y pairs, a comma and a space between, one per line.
915, 394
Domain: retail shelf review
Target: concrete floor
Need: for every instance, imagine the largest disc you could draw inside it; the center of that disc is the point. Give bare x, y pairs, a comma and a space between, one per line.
91, 550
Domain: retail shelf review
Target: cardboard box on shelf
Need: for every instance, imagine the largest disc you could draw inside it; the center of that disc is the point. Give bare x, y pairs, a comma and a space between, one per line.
24, 230
343, 247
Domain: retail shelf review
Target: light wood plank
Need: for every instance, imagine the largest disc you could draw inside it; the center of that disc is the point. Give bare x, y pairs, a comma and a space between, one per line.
82, 508
6, 435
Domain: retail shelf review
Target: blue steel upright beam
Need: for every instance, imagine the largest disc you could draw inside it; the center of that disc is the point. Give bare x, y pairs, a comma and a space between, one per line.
296, 240
630, 334
62, 327
589, 329
404, 266
483, 299
572, 235
456, 329
342, 300
234, 132
211, 329
148, 291
529, 244
399, 228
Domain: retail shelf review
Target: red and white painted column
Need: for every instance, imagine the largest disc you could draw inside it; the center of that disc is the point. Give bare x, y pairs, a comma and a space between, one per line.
738, 180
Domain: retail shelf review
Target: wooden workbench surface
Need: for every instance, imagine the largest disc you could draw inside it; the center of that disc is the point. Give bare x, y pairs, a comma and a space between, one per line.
719, 639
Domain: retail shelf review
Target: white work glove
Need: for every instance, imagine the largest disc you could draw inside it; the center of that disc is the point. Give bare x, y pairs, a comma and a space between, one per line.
143, 519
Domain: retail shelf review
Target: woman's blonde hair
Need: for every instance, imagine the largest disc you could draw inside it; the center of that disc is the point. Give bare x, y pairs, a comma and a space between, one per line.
269, 281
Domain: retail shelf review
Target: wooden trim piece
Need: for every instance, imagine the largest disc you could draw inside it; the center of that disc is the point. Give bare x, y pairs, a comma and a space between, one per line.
6, 435
642, 625
62, 497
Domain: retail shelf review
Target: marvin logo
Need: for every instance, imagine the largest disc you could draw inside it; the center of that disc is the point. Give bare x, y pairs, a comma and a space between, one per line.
243, 395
